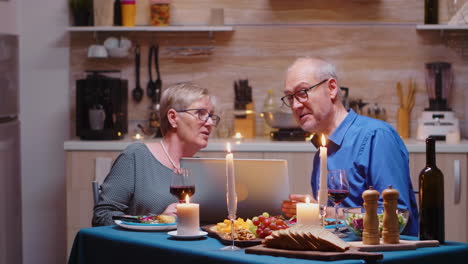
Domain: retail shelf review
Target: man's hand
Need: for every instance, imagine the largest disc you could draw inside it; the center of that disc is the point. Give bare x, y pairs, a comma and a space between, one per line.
289, 206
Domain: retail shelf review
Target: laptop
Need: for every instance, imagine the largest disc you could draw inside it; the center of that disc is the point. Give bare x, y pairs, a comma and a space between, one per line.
261, 186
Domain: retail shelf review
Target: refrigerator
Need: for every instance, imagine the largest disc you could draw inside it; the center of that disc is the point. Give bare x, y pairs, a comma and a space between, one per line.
10, 172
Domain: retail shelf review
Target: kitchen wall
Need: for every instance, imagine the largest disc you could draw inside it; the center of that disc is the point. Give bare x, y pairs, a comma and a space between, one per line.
8, 17
44, 111
374, 44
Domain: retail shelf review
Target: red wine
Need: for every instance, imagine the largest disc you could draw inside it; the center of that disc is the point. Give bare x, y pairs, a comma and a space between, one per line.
431, 198
337, 196
181, 191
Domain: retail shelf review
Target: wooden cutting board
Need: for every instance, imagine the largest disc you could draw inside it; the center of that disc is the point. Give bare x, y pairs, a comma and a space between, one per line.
352, 253
404, 245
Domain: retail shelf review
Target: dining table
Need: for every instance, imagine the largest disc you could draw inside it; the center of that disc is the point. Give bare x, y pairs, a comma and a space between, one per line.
114, 244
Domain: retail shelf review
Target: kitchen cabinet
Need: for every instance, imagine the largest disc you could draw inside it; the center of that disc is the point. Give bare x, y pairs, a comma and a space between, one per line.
454, 168
80, 169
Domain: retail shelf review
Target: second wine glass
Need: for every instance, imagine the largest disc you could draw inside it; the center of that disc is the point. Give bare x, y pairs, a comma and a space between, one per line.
182, 184
338, 190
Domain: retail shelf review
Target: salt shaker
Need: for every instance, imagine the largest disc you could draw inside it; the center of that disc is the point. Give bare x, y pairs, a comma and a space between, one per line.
391, 232
370, 234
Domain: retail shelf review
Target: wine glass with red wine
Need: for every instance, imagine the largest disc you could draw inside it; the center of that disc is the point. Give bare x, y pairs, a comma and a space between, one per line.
338, 190
182, 184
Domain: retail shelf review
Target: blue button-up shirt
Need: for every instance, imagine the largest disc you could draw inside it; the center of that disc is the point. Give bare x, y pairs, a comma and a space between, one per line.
373, 154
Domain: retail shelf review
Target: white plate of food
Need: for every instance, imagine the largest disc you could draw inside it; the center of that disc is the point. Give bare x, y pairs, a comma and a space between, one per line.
146, 226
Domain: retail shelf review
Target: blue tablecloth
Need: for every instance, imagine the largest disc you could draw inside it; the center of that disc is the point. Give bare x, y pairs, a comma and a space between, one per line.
112, 244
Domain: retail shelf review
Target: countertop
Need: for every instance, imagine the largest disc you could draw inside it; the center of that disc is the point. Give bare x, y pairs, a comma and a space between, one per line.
255, 145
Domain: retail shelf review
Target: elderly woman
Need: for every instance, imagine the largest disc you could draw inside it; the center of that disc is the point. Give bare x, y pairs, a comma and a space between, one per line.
139, 181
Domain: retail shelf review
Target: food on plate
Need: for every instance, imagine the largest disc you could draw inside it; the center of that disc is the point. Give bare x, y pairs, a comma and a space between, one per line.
264, 225
241, 229
167, 219
156, 219
305, 238
240, 234
225, 226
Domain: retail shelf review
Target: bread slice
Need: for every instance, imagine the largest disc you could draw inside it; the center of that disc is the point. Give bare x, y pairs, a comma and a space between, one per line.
330, 240
305, 238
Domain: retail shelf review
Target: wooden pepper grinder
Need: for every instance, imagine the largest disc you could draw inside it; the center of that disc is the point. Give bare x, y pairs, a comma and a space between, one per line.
391, 232
370, 233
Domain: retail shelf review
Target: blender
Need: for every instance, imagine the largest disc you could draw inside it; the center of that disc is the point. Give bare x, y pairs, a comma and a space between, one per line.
438, 120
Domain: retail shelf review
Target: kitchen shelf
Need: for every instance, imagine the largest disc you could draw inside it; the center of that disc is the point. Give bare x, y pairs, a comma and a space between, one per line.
441, 27
153, 29
453, 36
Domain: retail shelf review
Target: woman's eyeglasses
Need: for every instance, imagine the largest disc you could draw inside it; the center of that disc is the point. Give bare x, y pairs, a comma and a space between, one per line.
202, 114
301, 95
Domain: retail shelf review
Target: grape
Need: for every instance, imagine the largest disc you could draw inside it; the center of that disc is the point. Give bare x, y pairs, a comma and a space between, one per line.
256, 221
261, 218
265, 214
267, 221
259, 231
273, 226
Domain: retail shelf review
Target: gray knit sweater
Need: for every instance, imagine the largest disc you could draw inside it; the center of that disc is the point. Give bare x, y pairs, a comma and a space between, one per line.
138, 184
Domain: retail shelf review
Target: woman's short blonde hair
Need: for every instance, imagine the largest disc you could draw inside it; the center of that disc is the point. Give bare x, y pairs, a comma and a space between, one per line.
178, 97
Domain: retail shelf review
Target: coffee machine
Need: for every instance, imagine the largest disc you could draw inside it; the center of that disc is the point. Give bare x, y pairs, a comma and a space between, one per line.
438, 120
101, 106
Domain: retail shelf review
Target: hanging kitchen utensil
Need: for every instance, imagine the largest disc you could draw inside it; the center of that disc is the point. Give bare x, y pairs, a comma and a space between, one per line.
137, 92
158, 83
150, 88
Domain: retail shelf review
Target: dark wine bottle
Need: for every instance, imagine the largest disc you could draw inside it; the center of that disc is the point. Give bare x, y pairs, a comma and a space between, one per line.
431, 11
431, 198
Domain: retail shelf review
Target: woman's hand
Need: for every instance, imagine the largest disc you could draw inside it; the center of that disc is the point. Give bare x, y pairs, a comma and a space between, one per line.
289, 206
171, 210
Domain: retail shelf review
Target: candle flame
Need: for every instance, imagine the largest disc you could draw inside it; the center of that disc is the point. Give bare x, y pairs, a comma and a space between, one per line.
228, 147
324, 140
187, 199
307, 200
238, 135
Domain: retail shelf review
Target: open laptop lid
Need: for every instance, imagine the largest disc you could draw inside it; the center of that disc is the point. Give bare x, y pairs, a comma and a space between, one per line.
261, 186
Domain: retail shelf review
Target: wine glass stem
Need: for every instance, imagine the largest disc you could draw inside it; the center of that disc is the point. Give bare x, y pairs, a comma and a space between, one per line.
232, 232
336, 218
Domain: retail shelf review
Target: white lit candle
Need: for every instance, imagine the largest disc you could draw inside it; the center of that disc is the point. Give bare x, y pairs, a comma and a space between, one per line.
188, 218
231, 194
323, 190
308, 213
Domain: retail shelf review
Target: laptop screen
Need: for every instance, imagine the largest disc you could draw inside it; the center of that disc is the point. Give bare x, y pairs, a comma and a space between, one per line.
261, 186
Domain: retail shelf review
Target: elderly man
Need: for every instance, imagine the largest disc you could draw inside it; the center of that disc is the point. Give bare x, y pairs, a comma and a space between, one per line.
369, 150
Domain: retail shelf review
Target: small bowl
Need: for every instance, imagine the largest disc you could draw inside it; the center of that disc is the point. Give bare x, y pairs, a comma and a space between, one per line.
118, 52
354, 218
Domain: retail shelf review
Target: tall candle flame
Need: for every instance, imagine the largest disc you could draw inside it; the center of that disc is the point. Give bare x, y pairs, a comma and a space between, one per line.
228, 147
187, 198
307, 199
324, 140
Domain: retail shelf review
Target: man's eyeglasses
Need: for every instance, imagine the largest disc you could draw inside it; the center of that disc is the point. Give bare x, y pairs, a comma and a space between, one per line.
202, 114
301, 95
